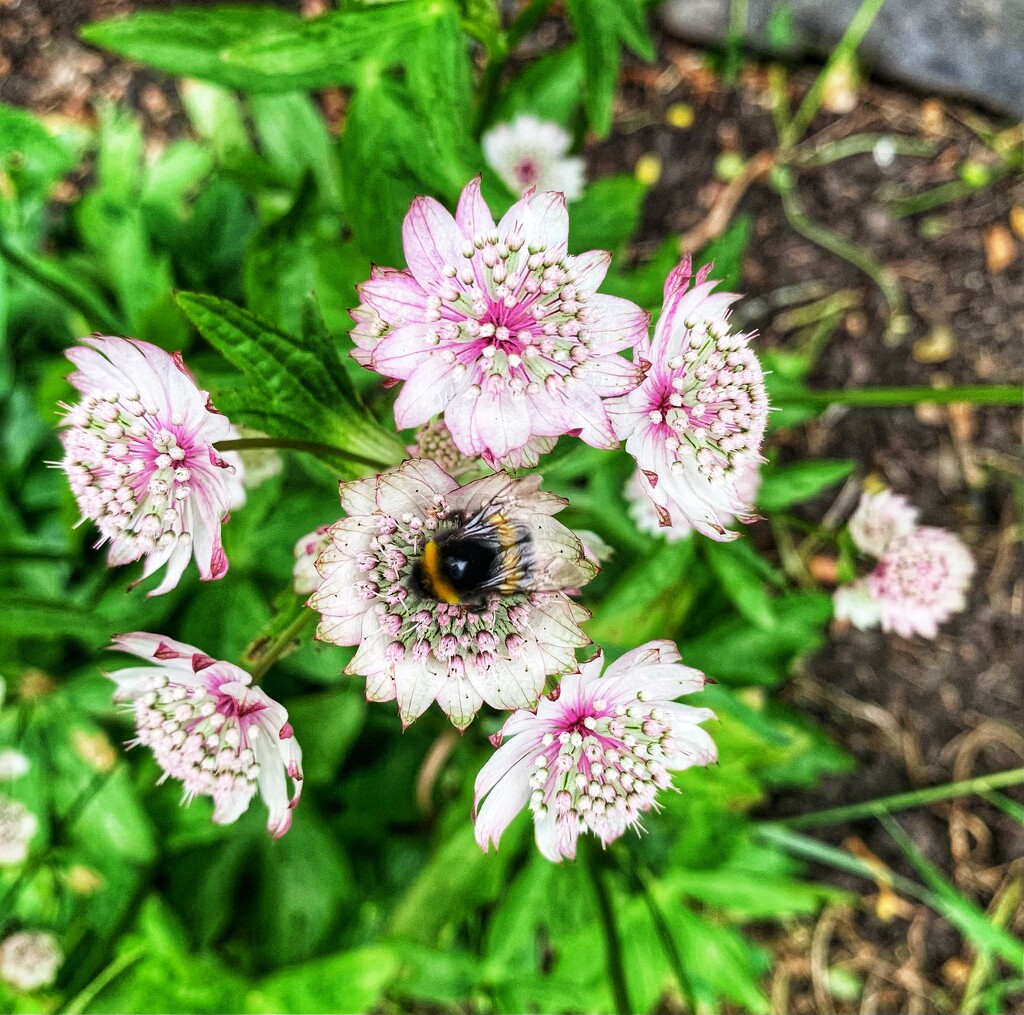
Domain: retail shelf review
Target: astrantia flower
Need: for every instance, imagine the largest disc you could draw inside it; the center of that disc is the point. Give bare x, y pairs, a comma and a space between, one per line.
652, 518
460, 649
855, 604
305, 576
696, 422
17, 826
13, 764
533, 153
140, 457
594, 758
30, 960
879, 519
209, 728
498, 327
920, 581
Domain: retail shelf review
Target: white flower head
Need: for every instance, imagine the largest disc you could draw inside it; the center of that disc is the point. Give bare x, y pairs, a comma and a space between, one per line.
880, 519
207, 726
594, 755
29, 960
17, 827
420, 637
13, 764
528, 152
305, 576
855, 604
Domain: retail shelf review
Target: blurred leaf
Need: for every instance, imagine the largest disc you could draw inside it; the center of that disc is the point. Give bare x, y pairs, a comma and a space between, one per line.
303, 379
319, 52
30, 158
726, 253
333, 720
607, 214
113, 822
191, 42
352, 981
733, 651
550, 88
600, 25
294, 138
645, 285
782, 486
433, 976
738, 578
304, 885
649, 600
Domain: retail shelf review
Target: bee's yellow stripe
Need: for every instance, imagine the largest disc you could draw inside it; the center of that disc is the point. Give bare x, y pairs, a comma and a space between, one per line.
440, 587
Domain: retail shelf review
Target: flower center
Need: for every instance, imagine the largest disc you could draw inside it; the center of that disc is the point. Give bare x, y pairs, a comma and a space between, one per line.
710, 400
527, 171
129, 470
196, 738
603, 769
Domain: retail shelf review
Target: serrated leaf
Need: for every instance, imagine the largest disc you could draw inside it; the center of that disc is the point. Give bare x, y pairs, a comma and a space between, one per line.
301, 382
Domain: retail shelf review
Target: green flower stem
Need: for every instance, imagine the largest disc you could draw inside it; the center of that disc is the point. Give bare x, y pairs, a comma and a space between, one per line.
593, 861
280, 644
292, 444
976, 394
85, 997
903, 801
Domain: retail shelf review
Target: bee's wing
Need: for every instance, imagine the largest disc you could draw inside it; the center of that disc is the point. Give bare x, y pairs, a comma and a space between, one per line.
555, 559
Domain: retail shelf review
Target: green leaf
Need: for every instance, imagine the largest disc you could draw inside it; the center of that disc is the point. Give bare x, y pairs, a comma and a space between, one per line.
30, 157
550, 88
600, 25
294, 139
737, 575
782, 486
352, 981
726, 252
303, 379
333, 720
347, 47
193, 42
379, 179
305, 885
607, 214
733, 651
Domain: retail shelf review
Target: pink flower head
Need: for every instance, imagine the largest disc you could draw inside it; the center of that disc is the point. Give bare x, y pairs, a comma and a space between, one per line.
880, 519
533, 153
921, 581
393, 585
207, 726
498, 327
305, 576
696, 422
139, 454
593, 757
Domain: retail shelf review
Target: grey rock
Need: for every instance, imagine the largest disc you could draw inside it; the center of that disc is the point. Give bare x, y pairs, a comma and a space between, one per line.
972, 49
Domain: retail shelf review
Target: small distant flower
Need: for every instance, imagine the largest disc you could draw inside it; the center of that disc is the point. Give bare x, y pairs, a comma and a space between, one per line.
696, 422
593, 758
13, 764
921, 581
855, 604
30, 960
209, 728
498, 328
498, 644
140, 457
880, 519
649, 517
258, 464
17, 827
533, 153
307, 549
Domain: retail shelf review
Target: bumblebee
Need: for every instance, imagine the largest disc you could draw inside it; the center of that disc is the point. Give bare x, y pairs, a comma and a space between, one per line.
485, 554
